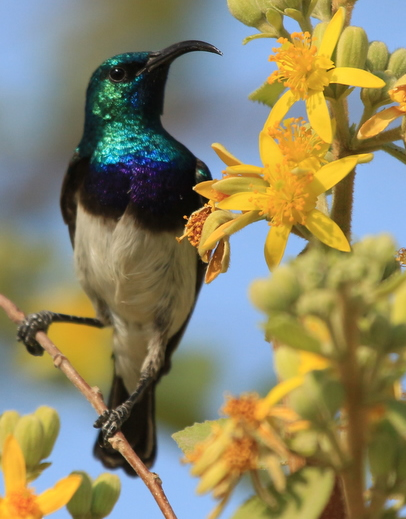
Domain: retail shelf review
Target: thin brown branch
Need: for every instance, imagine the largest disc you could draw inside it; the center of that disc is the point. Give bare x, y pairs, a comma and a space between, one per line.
93, 395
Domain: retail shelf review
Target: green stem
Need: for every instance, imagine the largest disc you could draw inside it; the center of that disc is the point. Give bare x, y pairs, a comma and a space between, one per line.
376, 142
261, 491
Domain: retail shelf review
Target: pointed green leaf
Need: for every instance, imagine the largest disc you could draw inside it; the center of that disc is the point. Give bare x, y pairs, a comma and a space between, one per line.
396, 412
267, 94
288, 331
308, 491
190, 436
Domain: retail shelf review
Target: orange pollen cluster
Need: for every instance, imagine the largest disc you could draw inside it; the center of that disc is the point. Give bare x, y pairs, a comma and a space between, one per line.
243, 408
297, 141
398, 94
288, 198
401, 257
194, 226
22, 503
296, 61
242, 455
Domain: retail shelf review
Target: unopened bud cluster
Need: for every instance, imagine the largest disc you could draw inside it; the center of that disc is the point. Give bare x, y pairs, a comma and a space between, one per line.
36, 434
95, 499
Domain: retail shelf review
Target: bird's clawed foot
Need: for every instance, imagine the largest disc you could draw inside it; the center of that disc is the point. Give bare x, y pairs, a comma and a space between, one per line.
111, 421
28, 328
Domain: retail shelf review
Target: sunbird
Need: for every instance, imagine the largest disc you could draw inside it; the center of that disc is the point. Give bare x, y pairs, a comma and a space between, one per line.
127, 190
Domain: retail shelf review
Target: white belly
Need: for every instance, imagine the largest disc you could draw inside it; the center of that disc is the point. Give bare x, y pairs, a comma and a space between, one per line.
147, 281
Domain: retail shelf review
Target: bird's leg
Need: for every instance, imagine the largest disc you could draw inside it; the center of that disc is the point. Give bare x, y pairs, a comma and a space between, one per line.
112, 419
40, 321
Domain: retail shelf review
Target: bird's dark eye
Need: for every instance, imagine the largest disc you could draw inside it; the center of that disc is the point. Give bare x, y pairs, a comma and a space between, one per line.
117, 74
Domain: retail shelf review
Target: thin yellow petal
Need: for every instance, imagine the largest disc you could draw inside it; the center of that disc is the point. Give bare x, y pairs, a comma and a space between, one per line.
244, 169
55, 498
241, 202
379, 122
332, 33
330, 174
280, 109
355, 77
275, 244
13, 465
205, 188
319, 116
225, 155
229, 228
327, 231
232, 185
269, 151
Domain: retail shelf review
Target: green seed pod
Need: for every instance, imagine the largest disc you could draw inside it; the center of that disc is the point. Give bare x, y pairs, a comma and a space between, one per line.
30, 435
397, 63
106, 491
249, 13
277, 293
377, 57
8, 421
352, 48
80, 503
51, 425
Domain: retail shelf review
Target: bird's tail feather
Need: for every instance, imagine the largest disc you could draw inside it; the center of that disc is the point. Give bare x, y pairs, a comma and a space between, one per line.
139, 429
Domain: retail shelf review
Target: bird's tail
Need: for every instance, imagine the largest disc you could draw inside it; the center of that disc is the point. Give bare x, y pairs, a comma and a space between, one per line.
139, 429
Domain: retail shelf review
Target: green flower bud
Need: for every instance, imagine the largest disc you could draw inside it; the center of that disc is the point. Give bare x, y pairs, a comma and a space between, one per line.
51, 425
397, 63
80, 503
8, 421
277, 293
320, 302
106, 491
283, 4
352, 48
383, 450
379, 96
377, 57
287, 362
30, 435
322, 10
318, 33
249, 13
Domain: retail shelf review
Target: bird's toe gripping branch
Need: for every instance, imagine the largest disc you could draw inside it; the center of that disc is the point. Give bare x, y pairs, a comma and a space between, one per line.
111, 421
29, 327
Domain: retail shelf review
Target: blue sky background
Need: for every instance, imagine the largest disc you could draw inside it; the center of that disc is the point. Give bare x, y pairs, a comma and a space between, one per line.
48, 51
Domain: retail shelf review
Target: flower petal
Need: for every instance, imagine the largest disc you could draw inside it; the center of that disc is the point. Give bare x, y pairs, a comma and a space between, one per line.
246, 201
330, 174
58, 496
275, 244
332, 33
319, 116
13, 463
269, 151
244, 169
327, 231
233, 185
276, 394
229, 228
225, 155
280, 109
379, 122
355, 77
205, 188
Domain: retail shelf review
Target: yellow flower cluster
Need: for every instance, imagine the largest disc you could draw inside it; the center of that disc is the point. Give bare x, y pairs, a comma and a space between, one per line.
287, 189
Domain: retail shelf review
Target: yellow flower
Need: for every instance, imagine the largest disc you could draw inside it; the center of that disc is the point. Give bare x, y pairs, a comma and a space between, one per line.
307, 71
20, 501
286, 197
378, 122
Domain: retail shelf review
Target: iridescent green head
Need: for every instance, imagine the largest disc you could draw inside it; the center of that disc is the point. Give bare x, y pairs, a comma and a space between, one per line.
134, 82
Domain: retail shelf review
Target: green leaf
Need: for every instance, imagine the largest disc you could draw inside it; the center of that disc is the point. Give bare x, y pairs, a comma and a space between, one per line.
288, 331
307, 493
396, 413
259, 35
190, 436
267, 93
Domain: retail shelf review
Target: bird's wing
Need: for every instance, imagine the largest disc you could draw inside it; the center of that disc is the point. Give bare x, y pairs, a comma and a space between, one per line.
77, 169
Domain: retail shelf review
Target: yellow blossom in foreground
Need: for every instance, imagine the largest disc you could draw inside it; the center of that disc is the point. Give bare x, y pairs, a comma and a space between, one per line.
307, 71
378, 122
285, 197
20, 501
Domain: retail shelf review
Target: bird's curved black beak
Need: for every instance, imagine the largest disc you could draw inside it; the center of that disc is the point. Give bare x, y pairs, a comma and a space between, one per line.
170, 53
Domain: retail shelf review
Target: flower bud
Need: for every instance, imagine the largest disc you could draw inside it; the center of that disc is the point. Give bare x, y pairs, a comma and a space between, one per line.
277, 293
379, 96
318, 33
377, 56
80, 503
106, 491
352, 48
8, 421
322, 11
397, 63
51, 425
30, 435
249, 13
